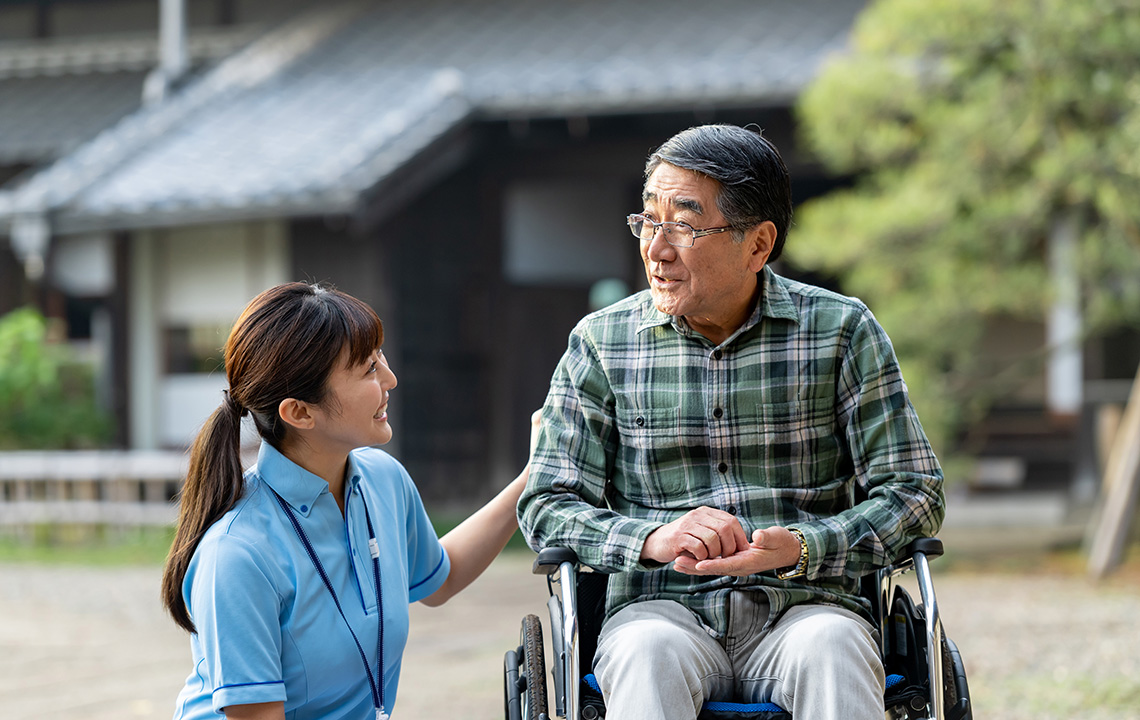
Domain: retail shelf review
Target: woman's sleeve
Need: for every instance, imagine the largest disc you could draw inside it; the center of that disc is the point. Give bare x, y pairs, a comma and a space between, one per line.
235, 608
428, 564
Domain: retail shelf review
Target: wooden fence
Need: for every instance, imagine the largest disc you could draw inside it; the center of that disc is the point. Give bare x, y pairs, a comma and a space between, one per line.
115, 488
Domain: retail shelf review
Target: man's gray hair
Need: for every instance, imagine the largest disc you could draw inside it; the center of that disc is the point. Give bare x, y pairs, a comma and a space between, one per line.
754, 182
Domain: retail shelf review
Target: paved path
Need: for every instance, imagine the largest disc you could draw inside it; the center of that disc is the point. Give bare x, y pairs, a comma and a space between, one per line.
93, 644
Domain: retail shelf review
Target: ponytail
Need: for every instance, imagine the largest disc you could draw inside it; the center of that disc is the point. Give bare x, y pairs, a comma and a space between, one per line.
285, 344
213, 485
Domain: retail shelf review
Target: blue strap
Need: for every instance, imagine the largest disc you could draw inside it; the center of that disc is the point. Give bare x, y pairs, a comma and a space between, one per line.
375, 685
713, 705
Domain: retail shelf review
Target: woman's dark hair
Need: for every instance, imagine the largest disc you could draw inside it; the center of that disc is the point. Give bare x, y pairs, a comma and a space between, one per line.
754, 182
286, 344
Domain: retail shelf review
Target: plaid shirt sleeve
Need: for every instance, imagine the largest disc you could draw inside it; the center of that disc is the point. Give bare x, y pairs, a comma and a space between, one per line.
894, 466
564, 504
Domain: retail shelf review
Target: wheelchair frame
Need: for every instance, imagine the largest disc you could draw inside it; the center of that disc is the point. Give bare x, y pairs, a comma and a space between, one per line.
943, 662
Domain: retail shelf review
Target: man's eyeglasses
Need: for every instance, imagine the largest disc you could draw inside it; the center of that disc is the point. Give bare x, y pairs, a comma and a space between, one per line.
678, 234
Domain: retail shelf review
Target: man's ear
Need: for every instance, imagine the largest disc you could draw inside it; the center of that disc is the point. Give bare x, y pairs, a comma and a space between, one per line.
761, 239
296, 413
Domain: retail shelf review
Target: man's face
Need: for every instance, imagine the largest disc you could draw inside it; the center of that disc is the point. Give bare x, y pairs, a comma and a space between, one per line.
712, 284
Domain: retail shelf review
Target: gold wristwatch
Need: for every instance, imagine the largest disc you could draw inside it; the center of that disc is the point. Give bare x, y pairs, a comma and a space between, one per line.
800, 568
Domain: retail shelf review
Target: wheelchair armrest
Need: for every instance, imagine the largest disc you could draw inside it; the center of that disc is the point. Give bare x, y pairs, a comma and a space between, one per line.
549, 559
931, 547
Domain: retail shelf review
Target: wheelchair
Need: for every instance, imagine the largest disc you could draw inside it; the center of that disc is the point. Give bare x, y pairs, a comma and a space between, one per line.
925, 674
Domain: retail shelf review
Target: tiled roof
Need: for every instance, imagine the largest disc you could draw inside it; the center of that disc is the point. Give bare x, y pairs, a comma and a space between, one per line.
111, 53
380, 82
42, 118
56, 94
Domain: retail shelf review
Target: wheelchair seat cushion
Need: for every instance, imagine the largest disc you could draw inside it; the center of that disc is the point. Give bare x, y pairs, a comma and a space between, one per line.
718, 710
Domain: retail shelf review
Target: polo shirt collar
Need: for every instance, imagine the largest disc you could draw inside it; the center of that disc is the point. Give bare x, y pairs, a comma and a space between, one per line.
774, 302
296, 485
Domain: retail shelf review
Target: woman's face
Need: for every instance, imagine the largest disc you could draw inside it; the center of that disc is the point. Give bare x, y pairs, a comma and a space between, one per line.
356, 412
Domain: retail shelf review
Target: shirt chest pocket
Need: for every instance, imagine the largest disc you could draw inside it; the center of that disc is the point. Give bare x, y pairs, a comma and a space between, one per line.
799, 442
651, 457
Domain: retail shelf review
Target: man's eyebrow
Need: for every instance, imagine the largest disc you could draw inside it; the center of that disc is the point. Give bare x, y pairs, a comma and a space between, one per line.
683, 203
690, 205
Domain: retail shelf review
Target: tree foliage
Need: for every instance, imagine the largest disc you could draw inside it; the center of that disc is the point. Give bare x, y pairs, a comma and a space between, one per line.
46, 395
973, 128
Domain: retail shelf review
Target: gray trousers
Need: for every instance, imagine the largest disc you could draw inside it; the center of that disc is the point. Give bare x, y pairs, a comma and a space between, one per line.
656, 660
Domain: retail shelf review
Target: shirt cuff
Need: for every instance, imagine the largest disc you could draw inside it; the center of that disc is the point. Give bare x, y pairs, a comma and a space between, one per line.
247, 693
633, 533
424, 588
816, 539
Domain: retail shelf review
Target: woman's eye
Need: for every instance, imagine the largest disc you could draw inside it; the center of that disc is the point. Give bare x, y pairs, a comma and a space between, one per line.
372, 367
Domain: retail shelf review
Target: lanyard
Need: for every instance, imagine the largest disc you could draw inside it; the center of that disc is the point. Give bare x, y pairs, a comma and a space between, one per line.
375, 684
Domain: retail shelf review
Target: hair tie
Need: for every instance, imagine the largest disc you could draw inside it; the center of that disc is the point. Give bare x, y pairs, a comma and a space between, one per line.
233, 405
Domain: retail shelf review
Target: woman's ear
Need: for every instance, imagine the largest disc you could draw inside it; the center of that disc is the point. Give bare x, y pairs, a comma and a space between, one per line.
296, 414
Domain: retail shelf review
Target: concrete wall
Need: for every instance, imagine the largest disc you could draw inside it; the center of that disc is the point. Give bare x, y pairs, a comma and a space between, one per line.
191, 281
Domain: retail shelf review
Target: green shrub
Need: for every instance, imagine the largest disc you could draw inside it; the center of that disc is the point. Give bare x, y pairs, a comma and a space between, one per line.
47, 394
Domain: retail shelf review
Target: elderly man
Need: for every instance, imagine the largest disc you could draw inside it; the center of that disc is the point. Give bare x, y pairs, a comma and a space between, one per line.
738, 449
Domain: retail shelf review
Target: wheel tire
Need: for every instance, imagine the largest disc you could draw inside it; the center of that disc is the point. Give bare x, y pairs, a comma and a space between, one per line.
532, 670
512, 698
949, 684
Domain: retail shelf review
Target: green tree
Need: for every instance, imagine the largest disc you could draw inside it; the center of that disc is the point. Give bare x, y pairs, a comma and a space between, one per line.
974, 130
47, 398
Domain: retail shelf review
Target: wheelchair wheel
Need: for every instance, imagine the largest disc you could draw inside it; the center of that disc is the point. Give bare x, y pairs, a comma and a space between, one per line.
906, 657
525, 675
949, 681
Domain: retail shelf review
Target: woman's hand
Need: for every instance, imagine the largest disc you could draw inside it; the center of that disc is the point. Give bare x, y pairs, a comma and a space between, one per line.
535, 426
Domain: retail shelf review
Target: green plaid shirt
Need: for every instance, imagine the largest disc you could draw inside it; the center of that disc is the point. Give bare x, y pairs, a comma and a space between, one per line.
801, 419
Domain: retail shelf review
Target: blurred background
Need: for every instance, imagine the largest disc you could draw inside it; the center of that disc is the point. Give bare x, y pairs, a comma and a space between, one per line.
967, 168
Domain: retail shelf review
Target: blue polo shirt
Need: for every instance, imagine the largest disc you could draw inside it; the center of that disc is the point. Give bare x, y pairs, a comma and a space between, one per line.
267, 627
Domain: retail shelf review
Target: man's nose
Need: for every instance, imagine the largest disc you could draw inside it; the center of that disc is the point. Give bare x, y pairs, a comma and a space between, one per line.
658, 245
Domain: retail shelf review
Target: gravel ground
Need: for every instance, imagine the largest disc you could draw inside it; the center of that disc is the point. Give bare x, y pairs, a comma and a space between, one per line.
93, 644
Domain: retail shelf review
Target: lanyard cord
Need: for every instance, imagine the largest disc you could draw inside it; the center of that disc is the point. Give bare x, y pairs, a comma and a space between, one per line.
374, 550
375, 685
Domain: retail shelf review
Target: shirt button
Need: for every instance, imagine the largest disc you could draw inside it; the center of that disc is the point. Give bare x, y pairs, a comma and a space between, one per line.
731, 509
723, 467
640, 421
304, 508
718, 413
718, 354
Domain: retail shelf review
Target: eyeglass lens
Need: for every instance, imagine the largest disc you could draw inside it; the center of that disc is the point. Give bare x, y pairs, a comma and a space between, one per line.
675, 233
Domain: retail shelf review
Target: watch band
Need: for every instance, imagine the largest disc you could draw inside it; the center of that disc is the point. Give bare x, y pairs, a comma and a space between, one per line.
800, 568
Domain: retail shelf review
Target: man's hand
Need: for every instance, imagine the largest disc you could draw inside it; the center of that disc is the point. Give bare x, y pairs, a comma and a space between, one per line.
771, 549
697, 535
